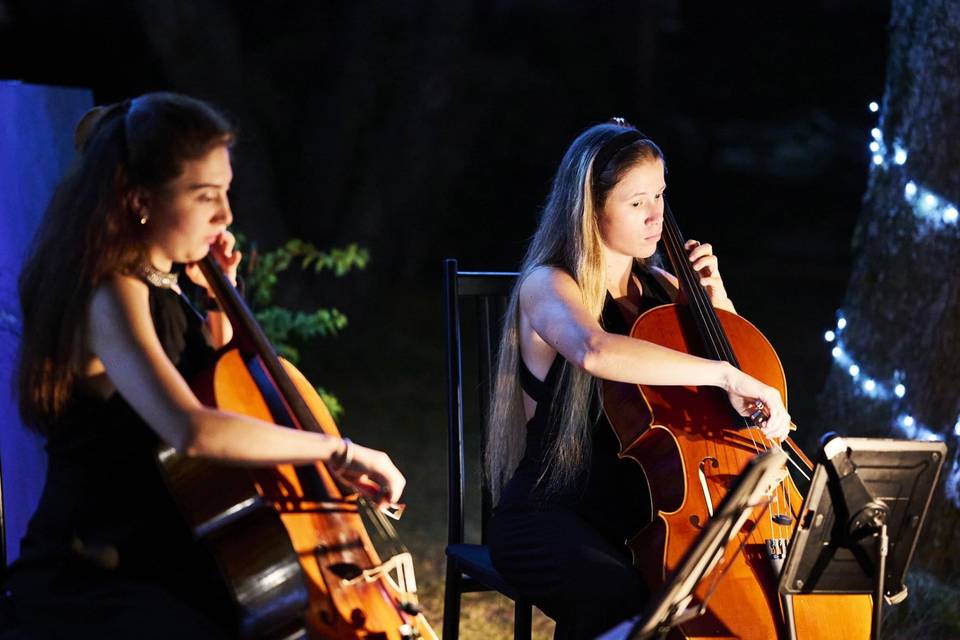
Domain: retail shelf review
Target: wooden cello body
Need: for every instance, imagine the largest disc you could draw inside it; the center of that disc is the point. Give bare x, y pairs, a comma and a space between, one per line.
691, 446
289, 540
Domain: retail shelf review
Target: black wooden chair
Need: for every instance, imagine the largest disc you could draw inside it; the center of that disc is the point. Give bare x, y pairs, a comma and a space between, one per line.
469, 568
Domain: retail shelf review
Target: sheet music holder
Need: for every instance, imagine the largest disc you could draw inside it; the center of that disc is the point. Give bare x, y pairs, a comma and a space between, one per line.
671, 606
861, 519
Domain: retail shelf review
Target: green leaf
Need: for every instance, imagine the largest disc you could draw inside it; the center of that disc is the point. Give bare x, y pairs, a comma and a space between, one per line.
289, 330
333, 405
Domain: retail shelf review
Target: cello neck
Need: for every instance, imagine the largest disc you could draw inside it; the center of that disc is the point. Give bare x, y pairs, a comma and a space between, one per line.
250, 340
715, 344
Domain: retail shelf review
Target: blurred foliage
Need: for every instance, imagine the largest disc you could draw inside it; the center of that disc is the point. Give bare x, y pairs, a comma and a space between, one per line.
289, 330
263, 269
931, 612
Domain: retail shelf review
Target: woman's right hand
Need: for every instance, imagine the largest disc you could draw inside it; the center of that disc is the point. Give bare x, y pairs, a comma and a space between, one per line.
372, 473
746, 392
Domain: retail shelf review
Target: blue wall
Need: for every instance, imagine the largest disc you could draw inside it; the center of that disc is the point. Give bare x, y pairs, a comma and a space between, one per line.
36, 147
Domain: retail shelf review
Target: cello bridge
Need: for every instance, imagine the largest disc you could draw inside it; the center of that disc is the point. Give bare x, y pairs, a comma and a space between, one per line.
397, 571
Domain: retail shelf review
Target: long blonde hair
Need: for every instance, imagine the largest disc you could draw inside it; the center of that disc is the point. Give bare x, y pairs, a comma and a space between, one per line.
568, 238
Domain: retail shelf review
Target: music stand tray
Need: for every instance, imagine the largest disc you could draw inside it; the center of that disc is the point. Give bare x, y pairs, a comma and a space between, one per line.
670, 607
861, 519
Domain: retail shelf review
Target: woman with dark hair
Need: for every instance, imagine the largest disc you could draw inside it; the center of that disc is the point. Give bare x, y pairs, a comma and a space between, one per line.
566, 504
109, 341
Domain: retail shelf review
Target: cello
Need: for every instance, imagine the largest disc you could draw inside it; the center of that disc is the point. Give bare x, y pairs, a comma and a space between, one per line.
290, 541
691, 446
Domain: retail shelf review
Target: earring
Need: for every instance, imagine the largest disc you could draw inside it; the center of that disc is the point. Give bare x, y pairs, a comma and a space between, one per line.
144, 218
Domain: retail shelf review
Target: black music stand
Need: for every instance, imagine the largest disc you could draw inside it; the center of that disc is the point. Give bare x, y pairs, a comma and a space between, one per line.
861, 519
671, 605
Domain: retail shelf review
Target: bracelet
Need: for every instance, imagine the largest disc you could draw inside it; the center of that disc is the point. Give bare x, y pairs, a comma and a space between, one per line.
345, 458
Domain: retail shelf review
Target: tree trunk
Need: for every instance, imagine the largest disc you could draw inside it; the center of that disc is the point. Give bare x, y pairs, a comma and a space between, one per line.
902, 307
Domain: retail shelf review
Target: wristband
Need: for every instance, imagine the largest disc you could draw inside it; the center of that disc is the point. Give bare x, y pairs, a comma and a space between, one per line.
345, 458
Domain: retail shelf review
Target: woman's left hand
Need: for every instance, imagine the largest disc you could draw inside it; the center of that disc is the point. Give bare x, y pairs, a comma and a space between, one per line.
228, 259
705, 263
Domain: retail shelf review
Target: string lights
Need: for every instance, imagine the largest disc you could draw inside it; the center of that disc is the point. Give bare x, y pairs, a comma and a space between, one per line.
893, 390
934, 209
937, 212
927, 205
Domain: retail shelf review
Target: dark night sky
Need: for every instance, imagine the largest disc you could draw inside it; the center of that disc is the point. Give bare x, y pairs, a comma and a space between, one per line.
430, 129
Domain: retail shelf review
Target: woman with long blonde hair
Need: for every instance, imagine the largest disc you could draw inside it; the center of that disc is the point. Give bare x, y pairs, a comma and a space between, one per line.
565, 503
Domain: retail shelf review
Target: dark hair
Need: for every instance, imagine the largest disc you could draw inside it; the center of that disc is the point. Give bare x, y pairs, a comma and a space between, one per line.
89, 232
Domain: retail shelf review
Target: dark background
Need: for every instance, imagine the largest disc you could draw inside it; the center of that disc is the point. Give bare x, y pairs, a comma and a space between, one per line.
426, 130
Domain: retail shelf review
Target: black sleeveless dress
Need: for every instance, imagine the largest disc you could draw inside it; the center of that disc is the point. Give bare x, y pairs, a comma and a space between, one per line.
566, 552
107, 554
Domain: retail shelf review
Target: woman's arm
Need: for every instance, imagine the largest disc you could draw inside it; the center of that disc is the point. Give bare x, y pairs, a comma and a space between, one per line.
121, 333
551, 302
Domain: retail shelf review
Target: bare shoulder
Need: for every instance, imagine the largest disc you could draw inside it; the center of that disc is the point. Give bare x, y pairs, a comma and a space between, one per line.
119, 303
546, 281
117, 291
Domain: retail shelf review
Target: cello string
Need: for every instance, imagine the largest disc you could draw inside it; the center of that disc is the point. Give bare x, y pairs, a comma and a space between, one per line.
700, 299
677, 254
708, 321
698, 302
716, 338
687, 275
300, 415
729, 564
714, 326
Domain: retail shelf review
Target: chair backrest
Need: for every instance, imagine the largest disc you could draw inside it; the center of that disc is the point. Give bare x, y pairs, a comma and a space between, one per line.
489, 292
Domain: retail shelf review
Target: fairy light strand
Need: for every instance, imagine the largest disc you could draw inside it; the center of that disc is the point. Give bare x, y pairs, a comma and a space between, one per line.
892, 390
927, 205
934, 209
937, 212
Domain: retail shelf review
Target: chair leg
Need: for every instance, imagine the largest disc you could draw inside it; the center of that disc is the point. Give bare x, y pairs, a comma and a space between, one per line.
522, 620
451, 601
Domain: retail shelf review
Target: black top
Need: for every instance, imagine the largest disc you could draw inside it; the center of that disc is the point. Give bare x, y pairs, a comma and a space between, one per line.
105, 511
610, 493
